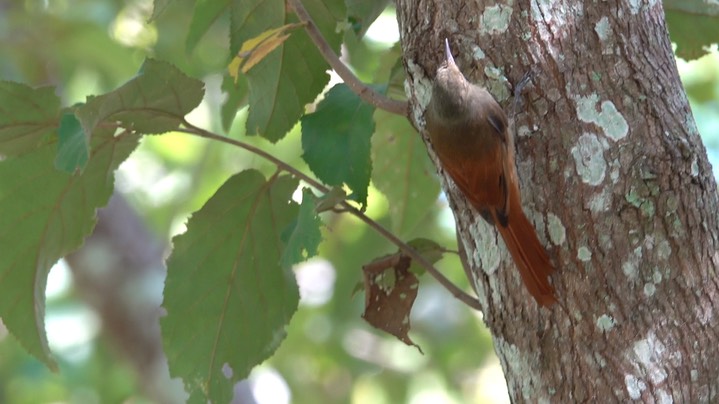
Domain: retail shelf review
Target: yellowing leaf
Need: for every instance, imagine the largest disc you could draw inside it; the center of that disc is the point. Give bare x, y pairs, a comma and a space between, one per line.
255, 49
290, 77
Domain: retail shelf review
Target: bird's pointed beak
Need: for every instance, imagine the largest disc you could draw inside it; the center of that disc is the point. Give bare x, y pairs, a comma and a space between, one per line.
450, 59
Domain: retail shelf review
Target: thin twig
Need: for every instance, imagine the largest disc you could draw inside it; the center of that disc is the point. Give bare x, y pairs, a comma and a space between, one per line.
411, 252
451, 287
366, 93
382, 264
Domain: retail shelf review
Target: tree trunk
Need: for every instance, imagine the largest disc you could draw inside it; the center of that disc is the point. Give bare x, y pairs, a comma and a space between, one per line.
615, 177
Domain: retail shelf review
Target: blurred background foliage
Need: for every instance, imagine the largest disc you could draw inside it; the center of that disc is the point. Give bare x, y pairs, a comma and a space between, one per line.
86, 47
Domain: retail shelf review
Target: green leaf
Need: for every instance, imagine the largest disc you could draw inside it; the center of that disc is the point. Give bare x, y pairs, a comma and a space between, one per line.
391, 71
47, 214
336, 141
27, 116
403, 172
692, 33
304, 234
427, 248
72, 148
249, 18
362, 13
228, 300
236, 98
205, 14
155, 101
292, 75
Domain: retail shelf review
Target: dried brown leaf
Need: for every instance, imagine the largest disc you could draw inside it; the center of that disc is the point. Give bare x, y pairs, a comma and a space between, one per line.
390, 290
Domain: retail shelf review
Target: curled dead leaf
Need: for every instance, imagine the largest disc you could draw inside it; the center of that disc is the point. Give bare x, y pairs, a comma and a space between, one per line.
390, 291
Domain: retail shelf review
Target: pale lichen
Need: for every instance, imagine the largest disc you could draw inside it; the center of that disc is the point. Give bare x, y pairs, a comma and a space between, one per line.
608, 118
664, 250
477, 53
602, 28
488, 251
605, 323
589, 160
635, 387
495, 19
557, 232
649, 354
649, 289
584, 254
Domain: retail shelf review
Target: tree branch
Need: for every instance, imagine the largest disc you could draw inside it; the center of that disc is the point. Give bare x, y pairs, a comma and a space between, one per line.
366, 93
408, 250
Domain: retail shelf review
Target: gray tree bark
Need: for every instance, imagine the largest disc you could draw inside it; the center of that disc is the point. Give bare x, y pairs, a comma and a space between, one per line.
615, 177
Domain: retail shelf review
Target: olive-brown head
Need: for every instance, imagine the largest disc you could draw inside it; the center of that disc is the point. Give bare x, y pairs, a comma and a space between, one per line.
450, 90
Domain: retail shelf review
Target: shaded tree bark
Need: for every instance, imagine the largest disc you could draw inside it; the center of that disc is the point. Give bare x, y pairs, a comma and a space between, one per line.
615, 177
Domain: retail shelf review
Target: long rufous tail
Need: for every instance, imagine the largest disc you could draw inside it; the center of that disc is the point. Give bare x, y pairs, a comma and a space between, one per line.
528, 254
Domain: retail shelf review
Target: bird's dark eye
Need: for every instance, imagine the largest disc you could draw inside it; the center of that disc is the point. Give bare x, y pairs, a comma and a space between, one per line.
496, 122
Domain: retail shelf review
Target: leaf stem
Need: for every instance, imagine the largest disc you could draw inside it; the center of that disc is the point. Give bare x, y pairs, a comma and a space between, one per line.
406, 249
365, 92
